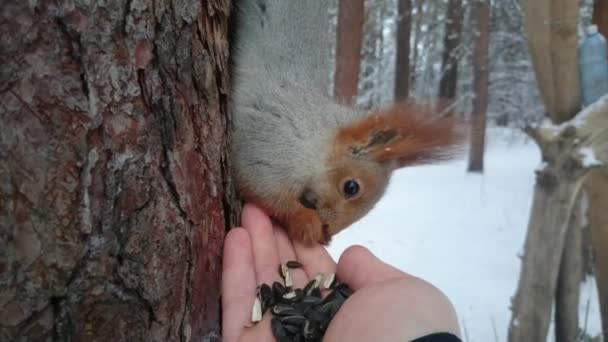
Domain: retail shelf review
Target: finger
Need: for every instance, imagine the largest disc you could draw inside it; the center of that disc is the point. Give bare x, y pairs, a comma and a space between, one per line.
264, 246
287, 253
238, 284
358, 267
315, 259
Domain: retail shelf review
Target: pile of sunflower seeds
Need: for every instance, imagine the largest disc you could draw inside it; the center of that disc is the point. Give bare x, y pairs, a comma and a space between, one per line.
300, 315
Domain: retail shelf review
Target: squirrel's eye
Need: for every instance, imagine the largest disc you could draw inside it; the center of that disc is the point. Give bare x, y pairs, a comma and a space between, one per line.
351, 188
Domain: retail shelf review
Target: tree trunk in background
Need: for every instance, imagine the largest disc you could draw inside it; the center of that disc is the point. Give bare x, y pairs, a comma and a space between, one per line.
567, 150
547, 231
567, 293
481, 70
114, 184
402, 69
596, 187
451, 41
416, 30
600, 16
349, 32
554, 51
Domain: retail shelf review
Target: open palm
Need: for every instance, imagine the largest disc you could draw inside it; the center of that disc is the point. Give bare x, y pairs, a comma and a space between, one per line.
388, 305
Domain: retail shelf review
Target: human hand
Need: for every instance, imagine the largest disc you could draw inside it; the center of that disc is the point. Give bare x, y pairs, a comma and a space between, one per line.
387, 305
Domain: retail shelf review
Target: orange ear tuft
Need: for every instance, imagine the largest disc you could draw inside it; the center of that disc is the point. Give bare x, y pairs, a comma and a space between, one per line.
407, 133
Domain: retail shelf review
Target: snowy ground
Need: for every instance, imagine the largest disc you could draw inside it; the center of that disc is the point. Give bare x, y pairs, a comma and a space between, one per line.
462, 232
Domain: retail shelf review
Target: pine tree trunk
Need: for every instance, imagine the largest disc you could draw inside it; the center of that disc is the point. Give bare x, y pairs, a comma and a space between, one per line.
402, 69
451, 41
600, 16
348, 49
114, 184
481, 70
417, 31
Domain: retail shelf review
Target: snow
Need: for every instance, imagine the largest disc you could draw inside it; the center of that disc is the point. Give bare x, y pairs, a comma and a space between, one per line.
589, 159
463, 232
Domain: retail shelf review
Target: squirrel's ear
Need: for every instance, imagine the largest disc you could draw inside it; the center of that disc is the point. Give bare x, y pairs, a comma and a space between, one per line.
407, 134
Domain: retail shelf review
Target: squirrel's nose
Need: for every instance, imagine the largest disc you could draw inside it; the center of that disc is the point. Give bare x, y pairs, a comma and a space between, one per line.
308, 199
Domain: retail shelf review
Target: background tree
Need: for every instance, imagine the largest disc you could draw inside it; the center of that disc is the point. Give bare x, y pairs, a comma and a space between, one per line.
600, 15
451, 43
114, 184
349, 33
481, 69
551, 265
402, 67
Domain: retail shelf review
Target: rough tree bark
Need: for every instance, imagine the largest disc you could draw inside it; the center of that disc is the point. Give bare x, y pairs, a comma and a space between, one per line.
551, 27
481, 72
547, 232
349, 32
571, 152
114, 184
451, 41
600, 16
402, 68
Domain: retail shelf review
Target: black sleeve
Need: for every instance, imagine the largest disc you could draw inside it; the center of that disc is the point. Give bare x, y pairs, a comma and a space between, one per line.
440, 337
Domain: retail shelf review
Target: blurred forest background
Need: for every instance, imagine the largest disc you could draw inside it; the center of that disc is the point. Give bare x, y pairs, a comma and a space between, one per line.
507, 64
447, 30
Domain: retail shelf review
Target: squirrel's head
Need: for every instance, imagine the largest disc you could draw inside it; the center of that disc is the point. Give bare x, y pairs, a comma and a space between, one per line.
364, 155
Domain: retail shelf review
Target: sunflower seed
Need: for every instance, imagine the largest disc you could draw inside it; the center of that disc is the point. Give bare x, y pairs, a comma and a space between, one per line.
290, 295
292, 329
316, 292
344, 290
279, 308
310, 329
293, 320
314, 315
310, 300
256, 310
278, 288
278, 330
313, 284
293, 264
330, 281
288, 279
283, 269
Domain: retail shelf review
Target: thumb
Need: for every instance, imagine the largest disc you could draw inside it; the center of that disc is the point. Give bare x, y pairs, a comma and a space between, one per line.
358, 268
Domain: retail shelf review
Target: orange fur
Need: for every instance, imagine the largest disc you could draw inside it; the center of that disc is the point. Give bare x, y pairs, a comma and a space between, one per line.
366, 151
418, 137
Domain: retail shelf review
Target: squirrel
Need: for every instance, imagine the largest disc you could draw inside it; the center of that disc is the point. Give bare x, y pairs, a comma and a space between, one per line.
312, 163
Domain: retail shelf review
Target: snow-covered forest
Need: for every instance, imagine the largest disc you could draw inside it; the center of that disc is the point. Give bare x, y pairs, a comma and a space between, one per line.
465, 232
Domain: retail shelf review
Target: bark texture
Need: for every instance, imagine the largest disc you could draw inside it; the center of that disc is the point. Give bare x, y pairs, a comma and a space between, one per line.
545, 238
114, 183
402, 68
451, 42
551, 27
551, 266
481, 73
349, 33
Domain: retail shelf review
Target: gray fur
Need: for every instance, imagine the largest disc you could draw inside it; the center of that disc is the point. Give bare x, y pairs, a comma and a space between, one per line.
283, 119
